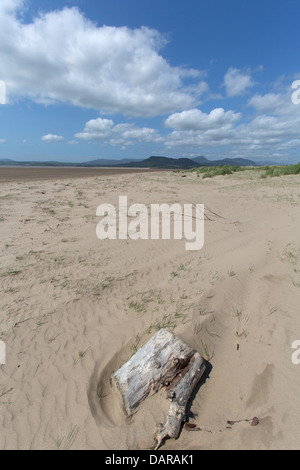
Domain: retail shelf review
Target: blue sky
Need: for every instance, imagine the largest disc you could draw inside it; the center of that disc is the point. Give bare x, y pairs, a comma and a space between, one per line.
88, 79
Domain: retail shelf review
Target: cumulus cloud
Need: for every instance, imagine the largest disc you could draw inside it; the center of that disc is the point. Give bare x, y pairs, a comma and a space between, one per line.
61, 56
144, 134
194, 128
105, 130
96, 129
263, 135
236, 82
274, 103
52, 138
2, 141
270, 102
195, 119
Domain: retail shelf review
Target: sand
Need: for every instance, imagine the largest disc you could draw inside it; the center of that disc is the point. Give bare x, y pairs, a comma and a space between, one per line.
13, 173
75, 308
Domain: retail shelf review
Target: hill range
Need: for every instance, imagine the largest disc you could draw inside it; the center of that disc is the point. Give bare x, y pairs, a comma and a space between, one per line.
151, 162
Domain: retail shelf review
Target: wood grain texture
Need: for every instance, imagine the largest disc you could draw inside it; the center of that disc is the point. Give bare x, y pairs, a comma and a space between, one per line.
179, 393
154, 365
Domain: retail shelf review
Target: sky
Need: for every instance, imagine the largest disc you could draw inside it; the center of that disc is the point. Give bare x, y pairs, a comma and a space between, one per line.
88, 79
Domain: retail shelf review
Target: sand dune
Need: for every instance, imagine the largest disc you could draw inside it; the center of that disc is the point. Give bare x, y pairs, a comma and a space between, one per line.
74, 308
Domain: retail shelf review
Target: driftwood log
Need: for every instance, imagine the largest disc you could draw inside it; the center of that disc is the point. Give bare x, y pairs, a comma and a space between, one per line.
179, 393
165, 361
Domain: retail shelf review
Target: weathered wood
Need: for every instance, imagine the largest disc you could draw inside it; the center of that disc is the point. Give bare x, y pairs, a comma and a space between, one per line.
179, 393
164, 361
154, 365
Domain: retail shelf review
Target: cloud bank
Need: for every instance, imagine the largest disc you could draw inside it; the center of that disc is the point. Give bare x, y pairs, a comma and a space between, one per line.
195, 119
61, 56
122, 134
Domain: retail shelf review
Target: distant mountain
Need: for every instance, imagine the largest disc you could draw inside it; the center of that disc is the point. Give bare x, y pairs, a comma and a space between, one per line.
201, 160
163, 162
8, 162
186, 163
107, 162
96, 163
225, 161
151, 162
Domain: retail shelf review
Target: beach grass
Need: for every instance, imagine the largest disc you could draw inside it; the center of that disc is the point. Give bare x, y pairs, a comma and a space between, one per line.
267, 170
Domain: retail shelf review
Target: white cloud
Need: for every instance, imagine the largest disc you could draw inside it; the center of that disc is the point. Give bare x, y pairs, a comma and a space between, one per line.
195, 119
236, 82
52, 138
11, 5
290, 144
193, 130
263, 135
105, 130
144, 134
61, 56
272, 132
2, 141
266, 129
275, 103
268, 103
96, 129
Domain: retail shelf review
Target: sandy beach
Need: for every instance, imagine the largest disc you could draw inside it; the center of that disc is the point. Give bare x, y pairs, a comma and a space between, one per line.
21, 173
75, 308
